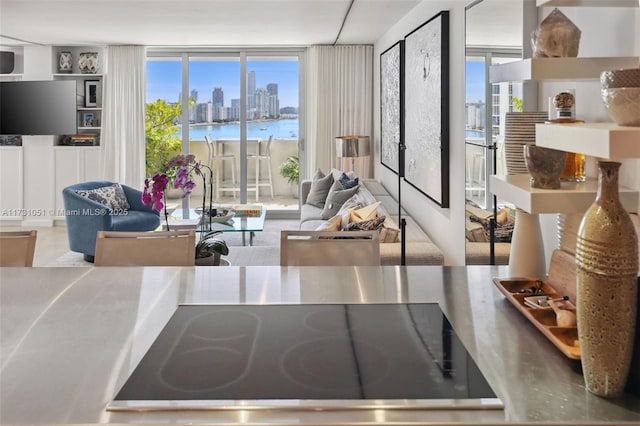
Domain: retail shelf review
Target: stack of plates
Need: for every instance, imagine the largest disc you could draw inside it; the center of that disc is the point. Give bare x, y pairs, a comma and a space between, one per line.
520, 130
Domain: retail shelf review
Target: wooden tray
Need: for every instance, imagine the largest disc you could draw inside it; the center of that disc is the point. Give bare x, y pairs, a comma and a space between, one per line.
565, 338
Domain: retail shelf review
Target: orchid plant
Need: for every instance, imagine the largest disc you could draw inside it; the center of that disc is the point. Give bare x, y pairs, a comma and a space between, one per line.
181, 167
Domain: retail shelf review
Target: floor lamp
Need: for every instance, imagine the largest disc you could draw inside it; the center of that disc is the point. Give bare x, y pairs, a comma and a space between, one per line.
352, 147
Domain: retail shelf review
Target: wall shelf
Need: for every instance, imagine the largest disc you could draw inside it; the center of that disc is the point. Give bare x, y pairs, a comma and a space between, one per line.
587, 3
559, 68
76, 75
572, 197
603, 140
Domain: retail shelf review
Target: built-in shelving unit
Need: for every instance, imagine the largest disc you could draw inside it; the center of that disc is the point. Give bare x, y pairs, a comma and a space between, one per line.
559, 68
89, 117
588, 3
603, 140
572, 197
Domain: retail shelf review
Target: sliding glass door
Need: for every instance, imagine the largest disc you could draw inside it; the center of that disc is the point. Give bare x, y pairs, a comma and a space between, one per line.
240, 115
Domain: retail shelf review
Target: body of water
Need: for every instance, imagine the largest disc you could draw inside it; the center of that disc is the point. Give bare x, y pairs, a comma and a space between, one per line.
474, 134
286, 128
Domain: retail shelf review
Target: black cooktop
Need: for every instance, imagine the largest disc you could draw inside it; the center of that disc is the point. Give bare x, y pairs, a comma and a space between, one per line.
256, 352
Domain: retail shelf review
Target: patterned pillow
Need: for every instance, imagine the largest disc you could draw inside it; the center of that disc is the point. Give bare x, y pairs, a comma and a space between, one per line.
367, 225
112, 196
347, 182
319, 190
335, 199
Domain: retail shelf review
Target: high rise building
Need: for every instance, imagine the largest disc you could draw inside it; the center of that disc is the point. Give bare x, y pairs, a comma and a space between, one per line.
217, 98
272, 88
234, 112
194, 95
251, 90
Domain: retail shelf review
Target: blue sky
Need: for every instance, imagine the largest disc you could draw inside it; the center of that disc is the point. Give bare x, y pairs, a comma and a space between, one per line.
475, 77
164, 81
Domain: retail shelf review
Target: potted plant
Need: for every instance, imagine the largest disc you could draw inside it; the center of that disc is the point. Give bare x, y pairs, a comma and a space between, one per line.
210, 248
290, 170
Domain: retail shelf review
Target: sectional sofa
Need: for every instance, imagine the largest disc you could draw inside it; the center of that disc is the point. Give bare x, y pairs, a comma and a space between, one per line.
420, 250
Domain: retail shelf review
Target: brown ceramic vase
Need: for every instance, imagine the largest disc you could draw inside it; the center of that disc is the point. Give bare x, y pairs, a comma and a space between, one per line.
606, 279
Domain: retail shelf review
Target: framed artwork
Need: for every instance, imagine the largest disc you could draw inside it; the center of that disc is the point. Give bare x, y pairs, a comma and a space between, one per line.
426, 110
87, 119
391, 108
92, 93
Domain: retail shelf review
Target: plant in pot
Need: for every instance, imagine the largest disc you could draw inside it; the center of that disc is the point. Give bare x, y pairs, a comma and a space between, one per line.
290, 170
210, 248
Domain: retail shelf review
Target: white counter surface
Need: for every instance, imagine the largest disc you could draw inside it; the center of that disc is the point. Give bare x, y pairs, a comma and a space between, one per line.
70, 337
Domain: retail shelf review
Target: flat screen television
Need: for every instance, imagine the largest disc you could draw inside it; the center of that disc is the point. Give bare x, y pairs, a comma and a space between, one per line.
38, 107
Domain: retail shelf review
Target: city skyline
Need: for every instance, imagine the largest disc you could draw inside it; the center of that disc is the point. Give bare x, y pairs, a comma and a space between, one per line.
164, 79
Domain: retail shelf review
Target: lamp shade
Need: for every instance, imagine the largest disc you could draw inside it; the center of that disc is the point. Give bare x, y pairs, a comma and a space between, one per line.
352, 146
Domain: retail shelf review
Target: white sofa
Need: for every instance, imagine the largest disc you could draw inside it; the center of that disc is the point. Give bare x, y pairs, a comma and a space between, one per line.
420, 250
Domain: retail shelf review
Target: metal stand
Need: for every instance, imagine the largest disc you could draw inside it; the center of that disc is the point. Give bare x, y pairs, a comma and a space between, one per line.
403, 223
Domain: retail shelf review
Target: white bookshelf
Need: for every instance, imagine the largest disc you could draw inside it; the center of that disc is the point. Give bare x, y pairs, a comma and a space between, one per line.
572, 197
559, 68
603, 140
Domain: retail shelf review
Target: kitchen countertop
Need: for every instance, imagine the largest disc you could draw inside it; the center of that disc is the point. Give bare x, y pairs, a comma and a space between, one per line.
70, 337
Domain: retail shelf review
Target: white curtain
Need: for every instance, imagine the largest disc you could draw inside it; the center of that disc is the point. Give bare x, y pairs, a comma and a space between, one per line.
339, 102
123, 138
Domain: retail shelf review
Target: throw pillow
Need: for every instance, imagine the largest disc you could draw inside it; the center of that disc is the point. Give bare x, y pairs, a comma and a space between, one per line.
332, 224
347, 182
355, 202
390, 232
336, 198
319, 190
112, 196
365, 213
367, 225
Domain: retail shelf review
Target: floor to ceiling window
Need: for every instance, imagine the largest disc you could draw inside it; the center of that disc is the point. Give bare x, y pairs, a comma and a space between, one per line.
244, 107
486, 106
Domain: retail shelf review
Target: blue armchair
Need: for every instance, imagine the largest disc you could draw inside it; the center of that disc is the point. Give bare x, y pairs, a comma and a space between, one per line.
85, 217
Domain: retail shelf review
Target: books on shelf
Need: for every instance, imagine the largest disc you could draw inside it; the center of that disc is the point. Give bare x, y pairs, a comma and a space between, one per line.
247, 210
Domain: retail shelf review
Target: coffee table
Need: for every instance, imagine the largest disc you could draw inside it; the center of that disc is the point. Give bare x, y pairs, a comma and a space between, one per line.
244, 224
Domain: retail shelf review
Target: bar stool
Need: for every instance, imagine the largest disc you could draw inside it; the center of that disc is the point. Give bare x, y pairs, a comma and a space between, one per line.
260, 156
216, 162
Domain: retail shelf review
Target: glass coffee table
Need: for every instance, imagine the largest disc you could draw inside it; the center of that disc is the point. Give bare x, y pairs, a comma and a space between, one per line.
244, 224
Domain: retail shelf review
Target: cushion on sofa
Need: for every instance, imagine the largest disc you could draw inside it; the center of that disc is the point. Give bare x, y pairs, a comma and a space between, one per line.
319, 189
336, 197
333, 224
112, 196
364, 213
366, 225
347, 182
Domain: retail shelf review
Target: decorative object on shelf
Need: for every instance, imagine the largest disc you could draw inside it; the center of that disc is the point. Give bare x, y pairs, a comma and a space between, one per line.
87, 119
520, 130
65, 62
426, 121
545, 165
621, 95
556, 37
606, 279
564, 104
92, 93
88, 62
612, 79
391, 109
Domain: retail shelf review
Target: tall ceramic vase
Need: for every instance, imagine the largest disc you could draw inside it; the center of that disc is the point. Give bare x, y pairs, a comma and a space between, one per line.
607, 270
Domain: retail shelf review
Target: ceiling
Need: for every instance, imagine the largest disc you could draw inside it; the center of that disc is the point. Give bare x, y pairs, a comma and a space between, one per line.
197, 22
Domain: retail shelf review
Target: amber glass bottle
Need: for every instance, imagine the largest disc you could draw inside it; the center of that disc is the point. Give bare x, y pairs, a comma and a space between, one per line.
574, 166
